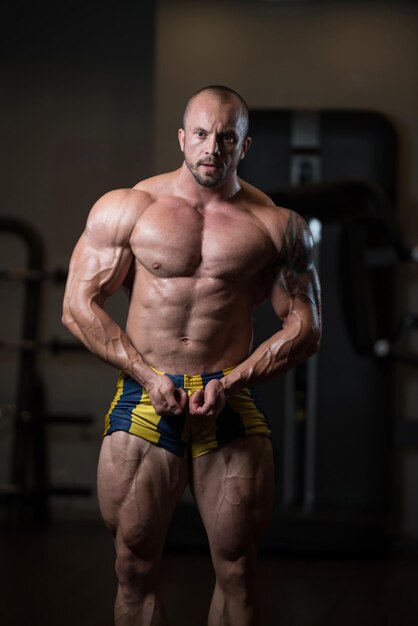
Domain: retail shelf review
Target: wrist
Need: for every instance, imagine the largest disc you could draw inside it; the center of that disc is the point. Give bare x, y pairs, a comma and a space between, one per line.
232, 382
144, 375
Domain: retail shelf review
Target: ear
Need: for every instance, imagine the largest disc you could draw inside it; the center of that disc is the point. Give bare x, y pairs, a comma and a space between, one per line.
245, 146
180, 136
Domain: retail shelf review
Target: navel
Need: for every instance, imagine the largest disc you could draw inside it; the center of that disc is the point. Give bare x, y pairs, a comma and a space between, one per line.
185, 340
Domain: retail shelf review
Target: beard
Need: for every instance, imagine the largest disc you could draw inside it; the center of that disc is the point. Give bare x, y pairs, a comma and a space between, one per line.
206, 179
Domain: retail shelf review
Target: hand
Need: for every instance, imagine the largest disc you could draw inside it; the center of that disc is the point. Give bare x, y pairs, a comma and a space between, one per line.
208, 402
165, 397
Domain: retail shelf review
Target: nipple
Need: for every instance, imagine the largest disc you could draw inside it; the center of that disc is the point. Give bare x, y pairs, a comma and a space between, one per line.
156, 266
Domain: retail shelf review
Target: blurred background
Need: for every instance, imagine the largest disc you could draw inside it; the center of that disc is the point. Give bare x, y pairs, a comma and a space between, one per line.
92, 95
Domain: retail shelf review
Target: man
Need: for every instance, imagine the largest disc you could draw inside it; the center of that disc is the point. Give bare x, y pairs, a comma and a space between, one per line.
199, 249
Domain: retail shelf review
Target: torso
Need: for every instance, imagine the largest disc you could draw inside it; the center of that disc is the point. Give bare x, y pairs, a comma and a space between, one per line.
199, 275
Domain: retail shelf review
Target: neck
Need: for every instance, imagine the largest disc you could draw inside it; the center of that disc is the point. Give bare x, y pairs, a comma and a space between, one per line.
190, 188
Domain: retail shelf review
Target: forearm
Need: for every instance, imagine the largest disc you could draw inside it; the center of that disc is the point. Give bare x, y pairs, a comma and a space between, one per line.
103, 337
293, 344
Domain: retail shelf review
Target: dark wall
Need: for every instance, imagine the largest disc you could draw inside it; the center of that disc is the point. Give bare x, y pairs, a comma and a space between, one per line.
76, 120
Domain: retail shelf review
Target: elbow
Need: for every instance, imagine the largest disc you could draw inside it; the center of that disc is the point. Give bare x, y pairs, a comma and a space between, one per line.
66, 320
316, 336
316, 347
67, 317
311, 341
78, 315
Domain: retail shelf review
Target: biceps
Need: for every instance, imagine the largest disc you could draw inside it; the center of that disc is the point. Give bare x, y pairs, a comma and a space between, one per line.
97, 273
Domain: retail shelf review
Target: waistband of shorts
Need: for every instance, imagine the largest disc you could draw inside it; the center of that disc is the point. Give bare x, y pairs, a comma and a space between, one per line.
194, 381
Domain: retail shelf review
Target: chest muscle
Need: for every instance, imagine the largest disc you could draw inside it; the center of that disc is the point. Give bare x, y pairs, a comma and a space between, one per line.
185, 243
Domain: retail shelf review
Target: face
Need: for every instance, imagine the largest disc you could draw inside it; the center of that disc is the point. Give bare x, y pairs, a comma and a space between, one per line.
213, 140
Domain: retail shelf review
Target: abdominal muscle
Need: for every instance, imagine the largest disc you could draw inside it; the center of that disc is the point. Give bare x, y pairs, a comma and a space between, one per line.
190, 325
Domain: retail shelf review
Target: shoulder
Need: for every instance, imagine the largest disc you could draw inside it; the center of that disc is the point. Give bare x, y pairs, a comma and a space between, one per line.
158, 186
297, 230
280, 223
269, 216
255, 196
114, 215
288, 231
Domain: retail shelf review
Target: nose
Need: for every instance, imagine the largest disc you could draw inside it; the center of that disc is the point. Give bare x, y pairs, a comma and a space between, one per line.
212, 145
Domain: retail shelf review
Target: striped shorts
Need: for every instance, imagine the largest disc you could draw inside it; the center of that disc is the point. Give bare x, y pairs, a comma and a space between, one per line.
131, 411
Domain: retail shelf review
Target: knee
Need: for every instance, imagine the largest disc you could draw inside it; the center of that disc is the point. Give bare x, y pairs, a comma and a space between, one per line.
136, 574
236, 576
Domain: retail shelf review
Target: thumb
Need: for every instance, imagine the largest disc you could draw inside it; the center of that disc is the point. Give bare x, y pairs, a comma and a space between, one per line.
197, 398
181, 397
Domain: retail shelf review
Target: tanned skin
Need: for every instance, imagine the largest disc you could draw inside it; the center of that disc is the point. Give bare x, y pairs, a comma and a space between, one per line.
200, 250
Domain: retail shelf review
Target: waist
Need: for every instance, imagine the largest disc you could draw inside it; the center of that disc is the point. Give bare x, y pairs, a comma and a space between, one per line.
193, 341
178, 356
195, 381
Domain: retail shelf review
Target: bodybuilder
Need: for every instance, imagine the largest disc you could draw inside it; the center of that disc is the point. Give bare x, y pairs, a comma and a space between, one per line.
199, 250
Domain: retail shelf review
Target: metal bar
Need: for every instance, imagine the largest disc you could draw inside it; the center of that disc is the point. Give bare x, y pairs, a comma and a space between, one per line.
64, 419
32, 345
18, 274
289, 443
406, 432
311, 395
29, 455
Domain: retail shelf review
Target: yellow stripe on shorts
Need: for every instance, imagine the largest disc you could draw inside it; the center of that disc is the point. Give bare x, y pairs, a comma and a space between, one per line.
144, 420
119, 392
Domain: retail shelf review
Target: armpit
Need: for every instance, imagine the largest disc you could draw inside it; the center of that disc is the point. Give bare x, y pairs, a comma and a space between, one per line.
129, 279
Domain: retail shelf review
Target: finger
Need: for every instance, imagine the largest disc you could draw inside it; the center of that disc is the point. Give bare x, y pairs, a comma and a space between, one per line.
196, 399
203, 407
170, 402
204, 411
169, 399
213, 402
182, 397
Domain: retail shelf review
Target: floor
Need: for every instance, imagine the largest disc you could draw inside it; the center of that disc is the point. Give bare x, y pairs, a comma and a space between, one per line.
63, 575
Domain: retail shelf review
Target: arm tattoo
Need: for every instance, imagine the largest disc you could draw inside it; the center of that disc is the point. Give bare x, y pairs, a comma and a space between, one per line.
294, 270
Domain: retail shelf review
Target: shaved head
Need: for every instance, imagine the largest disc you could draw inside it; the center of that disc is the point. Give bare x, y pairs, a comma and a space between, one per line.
224, 95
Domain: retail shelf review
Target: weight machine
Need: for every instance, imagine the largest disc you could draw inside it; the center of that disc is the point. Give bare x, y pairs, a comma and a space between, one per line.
334, 428
28, 489
334, 416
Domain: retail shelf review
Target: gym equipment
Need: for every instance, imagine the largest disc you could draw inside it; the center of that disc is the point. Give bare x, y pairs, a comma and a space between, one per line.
58, 275
53, 346
28, 491
335, 451
28, 471
333, 425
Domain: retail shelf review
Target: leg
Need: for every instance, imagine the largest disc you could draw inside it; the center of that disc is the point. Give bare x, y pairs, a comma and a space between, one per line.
139, 485
234, 491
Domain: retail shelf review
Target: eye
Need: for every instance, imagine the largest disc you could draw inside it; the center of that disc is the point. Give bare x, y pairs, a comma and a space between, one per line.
200, 134
230, 139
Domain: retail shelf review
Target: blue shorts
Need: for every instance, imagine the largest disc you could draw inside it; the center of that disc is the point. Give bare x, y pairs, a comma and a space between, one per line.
131, 411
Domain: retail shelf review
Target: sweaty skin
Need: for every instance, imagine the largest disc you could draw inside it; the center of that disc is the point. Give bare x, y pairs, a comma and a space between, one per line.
199, 250
199, 275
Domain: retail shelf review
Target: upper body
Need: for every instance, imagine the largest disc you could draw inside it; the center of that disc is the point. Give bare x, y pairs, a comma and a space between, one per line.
199, 250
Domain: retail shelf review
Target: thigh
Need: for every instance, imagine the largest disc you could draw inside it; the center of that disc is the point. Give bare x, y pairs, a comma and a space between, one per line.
234, 491
139, 485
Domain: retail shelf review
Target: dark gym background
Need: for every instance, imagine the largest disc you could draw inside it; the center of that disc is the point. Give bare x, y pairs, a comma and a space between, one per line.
91, 99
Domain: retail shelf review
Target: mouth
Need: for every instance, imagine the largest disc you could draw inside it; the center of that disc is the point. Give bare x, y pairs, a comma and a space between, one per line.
210, 165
